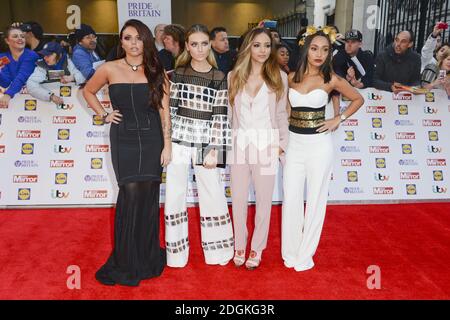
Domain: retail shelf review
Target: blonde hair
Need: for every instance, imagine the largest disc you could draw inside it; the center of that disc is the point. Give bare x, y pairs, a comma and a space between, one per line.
270, 70
185, 57
443, 57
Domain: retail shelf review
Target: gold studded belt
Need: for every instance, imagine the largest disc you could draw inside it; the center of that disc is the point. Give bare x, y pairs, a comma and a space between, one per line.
306, 120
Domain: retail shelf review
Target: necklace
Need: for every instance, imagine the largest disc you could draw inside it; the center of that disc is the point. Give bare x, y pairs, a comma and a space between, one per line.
133, 67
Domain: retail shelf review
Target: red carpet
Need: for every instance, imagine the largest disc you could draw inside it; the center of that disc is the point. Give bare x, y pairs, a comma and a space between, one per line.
410, 243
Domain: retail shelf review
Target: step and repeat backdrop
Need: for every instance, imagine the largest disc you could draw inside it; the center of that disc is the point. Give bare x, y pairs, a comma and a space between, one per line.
396, 147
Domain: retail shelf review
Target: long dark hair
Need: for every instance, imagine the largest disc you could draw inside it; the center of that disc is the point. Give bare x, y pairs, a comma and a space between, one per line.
326, 68
153, 69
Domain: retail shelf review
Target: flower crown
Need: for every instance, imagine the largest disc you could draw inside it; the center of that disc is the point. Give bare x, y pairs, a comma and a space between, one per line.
310, 30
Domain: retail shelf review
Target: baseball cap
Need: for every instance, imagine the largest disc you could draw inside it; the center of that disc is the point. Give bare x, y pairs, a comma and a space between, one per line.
51, 47
353, 34
33, 27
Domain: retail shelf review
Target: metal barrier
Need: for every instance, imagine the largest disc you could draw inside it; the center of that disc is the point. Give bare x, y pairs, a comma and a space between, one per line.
418, 16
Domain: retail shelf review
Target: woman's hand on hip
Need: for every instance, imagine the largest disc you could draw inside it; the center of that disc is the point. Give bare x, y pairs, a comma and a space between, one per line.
114, 117
329, 125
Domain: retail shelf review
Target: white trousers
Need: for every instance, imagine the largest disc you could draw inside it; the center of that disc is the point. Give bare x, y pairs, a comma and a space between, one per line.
216, 228
308, 158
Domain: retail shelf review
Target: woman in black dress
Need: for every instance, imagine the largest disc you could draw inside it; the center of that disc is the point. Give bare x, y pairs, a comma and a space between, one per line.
140, 147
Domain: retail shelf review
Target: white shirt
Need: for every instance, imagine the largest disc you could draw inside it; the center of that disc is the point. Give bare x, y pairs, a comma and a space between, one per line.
255, 126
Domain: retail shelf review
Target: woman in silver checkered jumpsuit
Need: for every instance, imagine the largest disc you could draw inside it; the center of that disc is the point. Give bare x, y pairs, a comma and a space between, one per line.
201, 132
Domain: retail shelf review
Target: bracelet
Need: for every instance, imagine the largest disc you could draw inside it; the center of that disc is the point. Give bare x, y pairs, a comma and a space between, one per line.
104, 117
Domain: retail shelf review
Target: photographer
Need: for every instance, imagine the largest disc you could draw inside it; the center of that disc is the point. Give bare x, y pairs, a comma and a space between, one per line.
54, 67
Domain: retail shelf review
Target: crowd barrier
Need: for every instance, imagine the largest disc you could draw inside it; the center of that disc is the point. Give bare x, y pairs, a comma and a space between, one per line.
396, 147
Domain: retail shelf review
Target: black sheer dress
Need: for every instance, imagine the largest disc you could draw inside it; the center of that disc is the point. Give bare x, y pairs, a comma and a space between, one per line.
136, 145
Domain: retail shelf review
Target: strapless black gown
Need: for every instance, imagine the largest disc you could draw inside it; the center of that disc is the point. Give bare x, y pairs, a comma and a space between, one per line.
136, 145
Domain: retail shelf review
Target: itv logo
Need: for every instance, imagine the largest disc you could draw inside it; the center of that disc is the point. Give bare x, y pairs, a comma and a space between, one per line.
373, 96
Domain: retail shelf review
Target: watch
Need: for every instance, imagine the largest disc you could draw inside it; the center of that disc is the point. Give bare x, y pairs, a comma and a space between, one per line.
343, 117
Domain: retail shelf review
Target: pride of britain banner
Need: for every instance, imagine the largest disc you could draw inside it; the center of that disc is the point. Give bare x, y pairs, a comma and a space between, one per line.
151, 12
396, 147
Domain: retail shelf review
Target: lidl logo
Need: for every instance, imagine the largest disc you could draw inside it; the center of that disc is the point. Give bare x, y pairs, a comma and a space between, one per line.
228, 192
61, 178
433, 136
352, 176
96, 163
402, 109
377, 123
438, 175
63, 134
97, 120
411, 189
429, 97
349, 135
65, 91
30, 105
24, 194
380, 163
406, 149
27, 148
